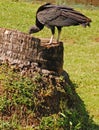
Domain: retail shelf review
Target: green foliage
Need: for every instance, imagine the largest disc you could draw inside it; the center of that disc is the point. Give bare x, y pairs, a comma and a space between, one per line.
5, 125
18, 103
69, 120
17, 89
17, 100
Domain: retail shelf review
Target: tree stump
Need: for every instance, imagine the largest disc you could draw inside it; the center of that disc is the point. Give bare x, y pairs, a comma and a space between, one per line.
23, 50
30, 56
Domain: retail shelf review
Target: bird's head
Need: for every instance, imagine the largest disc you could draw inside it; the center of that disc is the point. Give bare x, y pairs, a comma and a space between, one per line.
34, 29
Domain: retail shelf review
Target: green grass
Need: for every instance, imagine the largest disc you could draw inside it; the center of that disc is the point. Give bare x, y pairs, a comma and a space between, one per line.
81, 48
81, 62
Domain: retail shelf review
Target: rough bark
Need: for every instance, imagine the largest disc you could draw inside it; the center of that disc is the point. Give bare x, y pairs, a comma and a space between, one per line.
23, 50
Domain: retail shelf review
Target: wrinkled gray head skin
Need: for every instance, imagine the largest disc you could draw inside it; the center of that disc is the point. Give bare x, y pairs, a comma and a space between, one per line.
33, 29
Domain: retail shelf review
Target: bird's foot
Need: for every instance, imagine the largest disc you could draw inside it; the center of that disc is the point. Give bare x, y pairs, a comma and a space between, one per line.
53, 42
49, 43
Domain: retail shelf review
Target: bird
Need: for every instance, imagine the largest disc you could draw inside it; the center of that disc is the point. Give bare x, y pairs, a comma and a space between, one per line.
57, 16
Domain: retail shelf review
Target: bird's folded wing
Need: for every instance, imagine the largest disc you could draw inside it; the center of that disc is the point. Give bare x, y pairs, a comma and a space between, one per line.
61, 17
47, 15
74, 15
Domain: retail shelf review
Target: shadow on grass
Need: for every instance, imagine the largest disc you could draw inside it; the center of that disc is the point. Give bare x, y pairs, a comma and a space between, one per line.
76, 104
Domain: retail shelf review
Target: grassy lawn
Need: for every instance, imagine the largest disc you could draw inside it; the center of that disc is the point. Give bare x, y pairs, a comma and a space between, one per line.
81, 48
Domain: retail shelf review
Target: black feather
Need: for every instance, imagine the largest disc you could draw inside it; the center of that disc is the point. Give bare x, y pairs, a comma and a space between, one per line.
58, 16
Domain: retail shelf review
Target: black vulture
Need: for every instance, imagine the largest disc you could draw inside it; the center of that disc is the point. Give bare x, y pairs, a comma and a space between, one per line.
57, 16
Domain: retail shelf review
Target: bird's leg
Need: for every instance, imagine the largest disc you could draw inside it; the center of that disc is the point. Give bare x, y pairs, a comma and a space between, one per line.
51, 39
53, 32
59, 32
